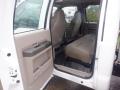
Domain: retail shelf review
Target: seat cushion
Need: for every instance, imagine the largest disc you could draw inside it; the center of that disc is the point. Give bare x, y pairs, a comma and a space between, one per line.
82, 49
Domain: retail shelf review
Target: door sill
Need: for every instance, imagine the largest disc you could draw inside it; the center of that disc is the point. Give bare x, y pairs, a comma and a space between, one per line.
72, 71
73, 78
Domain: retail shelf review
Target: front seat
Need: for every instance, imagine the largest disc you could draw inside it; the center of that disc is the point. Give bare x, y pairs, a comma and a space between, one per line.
76, 23
58, 28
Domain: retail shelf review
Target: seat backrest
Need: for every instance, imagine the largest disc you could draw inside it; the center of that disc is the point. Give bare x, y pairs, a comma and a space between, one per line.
77, 20
58, 27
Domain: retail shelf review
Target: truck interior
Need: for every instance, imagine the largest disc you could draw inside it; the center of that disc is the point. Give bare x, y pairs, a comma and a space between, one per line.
74, 35
69, 45
47, 38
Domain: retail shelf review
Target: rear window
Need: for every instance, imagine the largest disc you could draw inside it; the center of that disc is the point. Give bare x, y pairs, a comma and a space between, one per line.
92, 13
27, 14
69, 13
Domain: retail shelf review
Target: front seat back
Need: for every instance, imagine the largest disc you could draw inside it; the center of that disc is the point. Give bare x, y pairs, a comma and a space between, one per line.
77, 20
58, 28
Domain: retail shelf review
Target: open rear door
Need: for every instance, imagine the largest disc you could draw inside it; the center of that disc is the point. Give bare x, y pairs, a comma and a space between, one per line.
34, 47
28, 50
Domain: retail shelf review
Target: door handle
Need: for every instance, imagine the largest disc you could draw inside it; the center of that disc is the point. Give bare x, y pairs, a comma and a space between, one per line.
36, 48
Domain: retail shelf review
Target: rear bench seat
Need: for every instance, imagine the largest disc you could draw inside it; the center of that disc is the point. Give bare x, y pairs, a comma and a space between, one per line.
82, 49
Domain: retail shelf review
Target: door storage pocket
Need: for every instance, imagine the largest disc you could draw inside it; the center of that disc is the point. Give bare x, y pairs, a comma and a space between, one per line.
37, 64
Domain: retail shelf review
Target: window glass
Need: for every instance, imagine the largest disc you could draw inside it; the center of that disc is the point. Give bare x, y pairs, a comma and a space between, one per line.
92, 13
69, 13
27, 14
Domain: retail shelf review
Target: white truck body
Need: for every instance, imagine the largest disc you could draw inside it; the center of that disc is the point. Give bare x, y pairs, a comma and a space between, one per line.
12, 74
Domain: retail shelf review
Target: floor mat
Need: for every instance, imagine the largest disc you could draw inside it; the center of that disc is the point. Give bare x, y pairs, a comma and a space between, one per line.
61, 60
77, 66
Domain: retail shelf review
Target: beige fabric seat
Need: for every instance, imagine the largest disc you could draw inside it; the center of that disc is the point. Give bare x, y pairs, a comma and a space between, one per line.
82, 49
58, 28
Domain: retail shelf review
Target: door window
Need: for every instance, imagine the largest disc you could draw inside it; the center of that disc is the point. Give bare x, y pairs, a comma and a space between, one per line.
27, 14
92, 13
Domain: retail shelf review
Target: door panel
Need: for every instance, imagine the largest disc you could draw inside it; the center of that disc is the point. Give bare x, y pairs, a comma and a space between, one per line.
35, 57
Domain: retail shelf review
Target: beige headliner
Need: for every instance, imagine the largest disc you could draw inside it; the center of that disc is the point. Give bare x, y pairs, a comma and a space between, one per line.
77, 2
